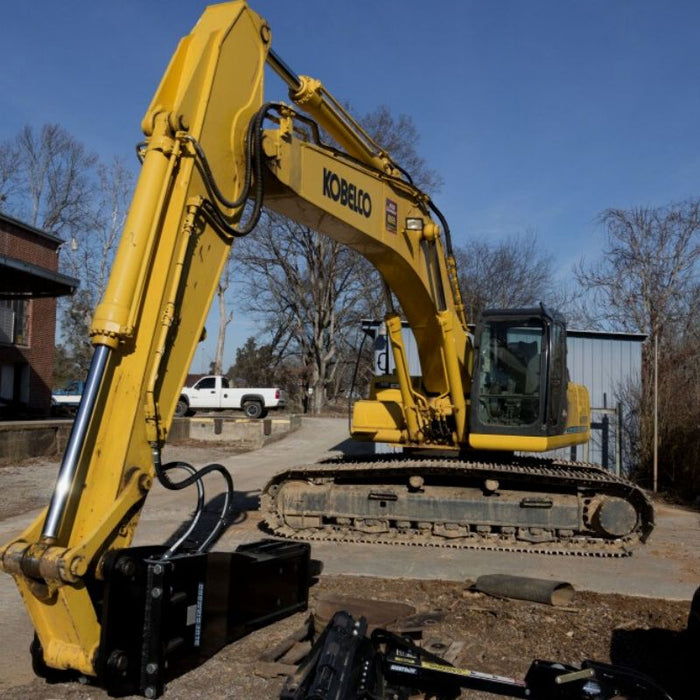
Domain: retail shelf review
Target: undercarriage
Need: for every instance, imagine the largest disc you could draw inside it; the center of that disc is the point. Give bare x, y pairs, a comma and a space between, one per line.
525, 504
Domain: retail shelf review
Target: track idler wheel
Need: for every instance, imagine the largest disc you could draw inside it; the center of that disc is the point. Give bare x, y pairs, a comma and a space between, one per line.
614, 517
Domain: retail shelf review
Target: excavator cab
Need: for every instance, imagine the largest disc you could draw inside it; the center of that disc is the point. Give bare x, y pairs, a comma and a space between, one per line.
520, 375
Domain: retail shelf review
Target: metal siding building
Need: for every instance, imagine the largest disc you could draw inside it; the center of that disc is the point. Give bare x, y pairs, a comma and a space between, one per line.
603, 362
383, 357
607, 364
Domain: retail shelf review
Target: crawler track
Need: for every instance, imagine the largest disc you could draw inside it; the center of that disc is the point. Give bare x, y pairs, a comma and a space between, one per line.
525, 505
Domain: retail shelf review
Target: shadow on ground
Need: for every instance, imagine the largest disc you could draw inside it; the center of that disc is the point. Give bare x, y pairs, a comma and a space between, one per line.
350, 447
243, 502
668, 658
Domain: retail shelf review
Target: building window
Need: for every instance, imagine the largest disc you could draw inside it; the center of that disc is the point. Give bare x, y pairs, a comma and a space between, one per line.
14, 383
14, 322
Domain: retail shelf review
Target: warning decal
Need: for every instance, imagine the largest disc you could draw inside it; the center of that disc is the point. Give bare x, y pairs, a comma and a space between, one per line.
391, 216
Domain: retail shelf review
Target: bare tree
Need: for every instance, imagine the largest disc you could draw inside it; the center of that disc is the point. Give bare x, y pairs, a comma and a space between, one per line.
509, 273
90, 255
399, 137
647, 281
679, 411
49, 180
94, 244
9, 165
303, 288
225, 316
55, 180
648, 267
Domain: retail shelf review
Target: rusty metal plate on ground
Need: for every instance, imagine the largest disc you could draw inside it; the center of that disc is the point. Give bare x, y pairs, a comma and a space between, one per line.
378, 613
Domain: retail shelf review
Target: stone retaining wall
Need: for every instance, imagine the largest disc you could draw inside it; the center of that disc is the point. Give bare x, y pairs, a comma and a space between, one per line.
248, 433
23, 439
48, 438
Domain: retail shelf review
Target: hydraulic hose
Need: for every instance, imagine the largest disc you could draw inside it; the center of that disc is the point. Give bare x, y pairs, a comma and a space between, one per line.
195, 477
253, 179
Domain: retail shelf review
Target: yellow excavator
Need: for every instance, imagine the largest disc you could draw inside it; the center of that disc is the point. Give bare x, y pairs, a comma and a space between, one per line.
215, 153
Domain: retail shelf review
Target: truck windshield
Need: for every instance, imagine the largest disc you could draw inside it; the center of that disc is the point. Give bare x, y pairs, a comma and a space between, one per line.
509, 376
71, 388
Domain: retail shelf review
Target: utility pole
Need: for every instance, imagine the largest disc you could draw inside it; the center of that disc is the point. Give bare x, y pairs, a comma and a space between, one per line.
656, 412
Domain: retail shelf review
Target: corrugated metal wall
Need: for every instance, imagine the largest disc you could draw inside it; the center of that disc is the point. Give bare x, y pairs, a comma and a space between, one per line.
384, 358
607, 364
603, 362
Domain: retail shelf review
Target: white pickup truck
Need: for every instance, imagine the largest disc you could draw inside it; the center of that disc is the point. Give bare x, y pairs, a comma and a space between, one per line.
65, 401
213, 393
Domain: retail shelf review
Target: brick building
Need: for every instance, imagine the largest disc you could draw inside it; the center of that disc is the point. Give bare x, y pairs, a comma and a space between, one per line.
29, 285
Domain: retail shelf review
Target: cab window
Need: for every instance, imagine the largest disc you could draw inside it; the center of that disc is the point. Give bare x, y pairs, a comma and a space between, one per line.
509, 373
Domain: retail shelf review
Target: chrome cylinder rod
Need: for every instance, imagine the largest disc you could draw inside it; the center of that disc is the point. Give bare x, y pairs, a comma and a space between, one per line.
283, 70
69, 465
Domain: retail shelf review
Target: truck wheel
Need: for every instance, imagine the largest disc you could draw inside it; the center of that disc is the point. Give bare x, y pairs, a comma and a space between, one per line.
181, 409
253, 409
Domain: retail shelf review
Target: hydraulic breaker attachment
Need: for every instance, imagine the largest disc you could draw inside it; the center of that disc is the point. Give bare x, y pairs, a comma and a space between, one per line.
162, 616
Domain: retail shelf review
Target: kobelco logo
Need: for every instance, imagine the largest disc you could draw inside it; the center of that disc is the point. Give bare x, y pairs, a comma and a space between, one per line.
340, 190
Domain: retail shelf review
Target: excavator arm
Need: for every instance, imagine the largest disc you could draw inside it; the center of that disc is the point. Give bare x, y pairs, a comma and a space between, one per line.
387, 220
359, 197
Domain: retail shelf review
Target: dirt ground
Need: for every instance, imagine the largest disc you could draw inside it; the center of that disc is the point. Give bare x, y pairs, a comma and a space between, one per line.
481, 632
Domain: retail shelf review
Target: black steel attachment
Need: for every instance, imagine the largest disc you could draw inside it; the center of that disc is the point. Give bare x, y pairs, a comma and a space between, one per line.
163, 617
342, 664
346, 665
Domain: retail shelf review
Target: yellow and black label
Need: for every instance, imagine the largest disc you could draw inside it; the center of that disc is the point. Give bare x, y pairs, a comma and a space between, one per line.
391, 216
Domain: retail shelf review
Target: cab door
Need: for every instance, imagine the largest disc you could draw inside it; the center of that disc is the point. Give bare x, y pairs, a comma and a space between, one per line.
520, 377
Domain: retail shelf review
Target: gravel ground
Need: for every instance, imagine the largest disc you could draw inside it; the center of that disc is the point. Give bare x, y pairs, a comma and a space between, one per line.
493, 635
26, 486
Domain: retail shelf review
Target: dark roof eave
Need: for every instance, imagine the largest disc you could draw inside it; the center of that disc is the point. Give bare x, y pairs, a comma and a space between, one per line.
607, 335
20, 279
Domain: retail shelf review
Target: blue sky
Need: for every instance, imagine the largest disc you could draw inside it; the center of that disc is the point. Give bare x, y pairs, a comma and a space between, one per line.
538, 114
